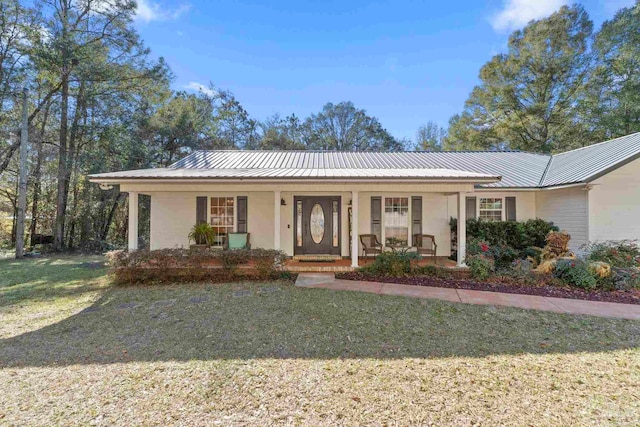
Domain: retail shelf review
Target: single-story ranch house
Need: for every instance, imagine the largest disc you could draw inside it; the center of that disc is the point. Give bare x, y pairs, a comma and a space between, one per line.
311, 202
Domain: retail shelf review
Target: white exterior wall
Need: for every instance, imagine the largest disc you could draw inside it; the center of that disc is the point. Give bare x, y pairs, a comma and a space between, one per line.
568, 209
435, 218
525, 203
173, 209
174, 213
614, 205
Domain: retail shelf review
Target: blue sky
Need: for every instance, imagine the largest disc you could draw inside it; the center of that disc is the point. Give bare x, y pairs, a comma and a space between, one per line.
405, 62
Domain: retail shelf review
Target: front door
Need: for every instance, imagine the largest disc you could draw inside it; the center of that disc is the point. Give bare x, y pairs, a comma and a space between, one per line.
316, 225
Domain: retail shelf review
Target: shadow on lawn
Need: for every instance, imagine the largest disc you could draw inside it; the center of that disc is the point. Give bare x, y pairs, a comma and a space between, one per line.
275, 320
48, 278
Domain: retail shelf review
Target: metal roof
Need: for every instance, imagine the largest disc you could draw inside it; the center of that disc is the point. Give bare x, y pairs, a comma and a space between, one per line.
516, 169
297, 173
590, 162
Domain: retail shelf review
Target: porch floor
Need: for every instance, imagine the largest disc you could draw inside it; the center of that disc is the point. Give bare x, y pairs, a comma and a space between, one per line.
344, 264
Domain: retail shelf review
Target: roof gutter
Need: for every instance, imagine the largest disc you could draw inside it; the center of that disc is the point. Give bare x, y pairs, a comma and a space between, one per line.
281, 180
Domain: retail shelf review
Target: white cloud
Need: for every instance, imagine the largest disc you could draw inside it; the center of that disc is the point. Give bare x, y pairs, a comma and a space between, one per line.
517, 13
199, 87
148, 11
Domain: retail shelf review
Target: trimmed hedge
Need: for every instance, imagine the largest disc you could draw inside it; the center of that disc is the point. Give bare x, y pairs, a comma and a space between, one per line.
186, 265
518, 235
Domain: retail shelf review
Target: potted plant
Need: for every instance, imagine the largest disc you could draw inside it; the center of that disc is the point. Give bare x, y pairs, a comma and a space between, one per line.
202, 235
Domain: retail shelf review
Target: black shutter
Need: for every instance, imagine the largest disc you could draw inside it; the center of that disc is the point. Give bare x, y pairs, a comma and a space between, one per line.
510, 205
416, 215
376, 217
242, 214
471, 208
201, 210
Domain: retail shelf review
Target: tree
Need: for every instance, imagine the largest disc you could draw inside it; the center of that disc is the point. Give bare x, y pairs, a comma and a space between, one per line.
528, 97
17, 30
612, 104
87, 49
430, 137
281, 134
344, 127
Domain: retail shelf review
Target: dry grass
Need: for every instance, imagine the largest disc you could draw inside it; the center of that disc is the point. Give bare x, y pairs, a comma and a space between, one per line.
262, 354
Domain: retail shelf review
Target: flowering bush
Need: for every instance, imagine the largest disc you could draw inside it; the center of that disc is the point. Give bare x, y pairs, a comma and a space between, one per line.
623, 254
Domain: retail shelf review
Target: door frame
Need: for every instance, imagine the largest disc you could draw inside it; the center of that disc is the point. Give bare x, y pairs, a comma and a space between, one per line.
300, 250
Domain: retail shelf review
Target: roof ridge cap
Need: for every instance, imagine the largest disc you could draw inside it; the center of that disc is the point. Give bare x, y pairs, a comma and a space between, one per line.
546, 170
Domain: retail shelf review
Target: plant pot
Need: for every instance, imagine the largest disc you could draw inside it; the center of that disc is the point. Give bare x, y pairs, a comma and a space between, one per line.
198, 247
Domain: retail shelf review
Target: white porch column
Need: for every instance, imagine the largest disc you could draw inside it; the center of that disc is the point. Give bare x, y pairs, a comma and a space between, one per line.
276, 219
133, 220
354, 229
462, 228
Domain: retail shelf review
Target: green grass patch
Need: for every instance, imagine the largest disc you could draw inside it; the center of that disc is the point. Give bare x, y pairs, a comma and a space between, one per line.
264, 353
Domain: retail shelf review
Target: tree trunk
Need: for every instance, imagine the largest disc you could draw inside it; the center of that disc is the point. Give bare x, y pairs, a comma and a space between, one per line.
37, 175
61, 201
112, 212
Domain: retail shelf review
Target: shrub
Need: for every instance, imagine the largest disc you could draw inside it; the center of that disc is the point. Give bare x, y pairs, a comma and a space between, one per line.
599, 269
624, 279
233, 258
480, 267
478, 247
622, 254
268, 262
503, 256
518, 235
576, 273
396, 264
186, 265
432, 271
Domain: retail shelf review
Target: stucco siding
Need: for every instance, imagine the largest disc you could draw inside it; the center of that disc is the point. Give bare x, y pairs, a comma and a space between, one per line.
568, 209
614, 205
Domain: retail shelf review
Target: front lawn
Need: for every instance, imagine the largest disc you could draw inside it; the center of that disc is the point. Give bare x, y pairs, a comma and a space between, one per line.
76, 350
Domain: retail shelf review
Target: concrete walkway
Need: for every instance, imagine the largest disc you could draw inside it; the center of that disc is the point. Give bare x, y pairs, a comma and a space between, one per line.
531, 302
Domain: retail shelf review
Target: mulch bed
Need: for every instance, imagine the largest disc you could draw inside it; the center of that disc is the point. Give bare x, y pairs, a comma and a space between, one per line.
627, 297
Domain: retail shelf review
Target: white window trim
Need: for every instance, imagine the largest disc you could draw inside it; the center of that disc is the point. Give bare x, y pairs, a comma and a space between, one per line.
409, 220
235, 213
502, 210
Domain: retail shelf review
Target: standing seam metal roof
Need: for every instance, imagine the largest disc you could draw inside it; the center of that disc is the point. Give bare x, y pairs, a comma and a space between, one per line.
587, 163
517, 169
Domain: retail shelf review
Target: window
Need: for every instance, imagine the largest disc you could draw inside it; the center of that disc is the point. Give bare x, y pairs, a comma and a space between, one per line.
491, 209
222, 217
396, 220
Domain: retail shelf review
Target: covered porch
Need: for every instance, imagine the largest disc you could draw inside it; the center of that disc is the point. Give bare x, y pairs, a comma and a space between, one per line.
320, 220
